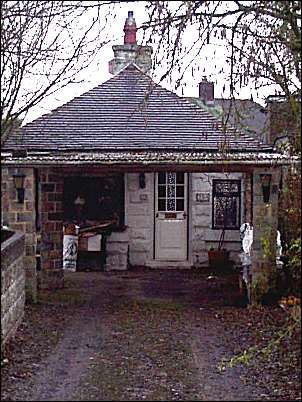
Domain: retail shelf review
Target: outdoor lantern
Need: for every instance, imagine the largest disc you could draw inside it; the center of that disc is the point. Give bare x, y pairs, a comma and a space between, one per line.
142, 180
266, 186
19, 185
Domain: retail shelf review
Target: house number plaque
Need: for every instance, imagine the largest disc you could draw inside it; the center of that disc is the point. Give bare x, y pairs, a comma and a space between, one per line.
203, 197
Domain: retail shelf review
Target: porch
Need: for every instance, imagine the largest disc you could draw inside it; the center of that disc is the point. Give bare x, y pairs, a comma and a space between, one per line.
133, 243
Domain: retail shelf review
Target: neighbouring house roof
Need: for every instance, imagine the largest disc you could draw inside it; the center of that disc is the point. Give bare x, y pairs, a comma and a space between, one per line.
129, 112
246, 114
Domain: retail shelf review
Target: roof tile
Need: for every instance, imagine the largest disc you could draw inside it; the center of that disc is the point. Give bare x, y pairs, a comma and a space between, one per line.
130, 112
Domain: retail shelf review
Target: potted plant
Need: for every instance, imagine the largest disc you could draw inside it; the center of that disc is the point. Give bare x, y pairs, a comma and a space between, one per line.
220, 256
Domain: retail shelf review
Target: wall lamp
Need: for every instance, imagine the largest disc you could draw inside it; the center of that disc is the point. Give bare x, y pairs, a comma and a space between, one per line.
19, 186
142, 180
266, 186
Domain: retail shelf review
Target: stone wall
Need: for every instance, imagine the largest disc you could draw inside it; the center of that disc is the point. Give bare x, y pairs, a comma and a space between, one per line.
203, 237
265, 225
12, 285
22, 217
117, 251
135, 244
131, 53
140, 218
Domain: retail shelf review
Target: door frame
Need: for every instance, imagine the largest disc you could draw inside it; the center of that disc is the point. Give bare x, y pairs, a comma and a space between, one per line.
189, 214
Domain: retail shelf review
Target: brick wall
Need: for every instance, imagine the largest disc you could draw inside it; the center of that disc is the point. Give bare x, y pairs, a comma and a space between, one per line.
12, 285
51, 187
51, 183
22, 217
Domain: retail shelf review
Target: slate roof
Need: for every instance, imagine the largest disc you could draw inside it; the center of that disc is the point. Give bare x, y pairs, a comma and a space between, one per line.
245, 114
130, 112
248, 115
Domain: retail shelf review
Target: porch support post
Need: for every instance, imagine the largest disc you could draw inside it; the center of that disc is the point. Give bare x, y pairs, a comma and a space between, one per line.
51, 182
265, 224
22, 216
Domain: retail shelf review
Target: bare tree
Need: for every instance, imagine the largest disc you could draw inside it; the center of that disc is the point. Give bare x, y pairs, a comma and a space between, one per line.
44, 45
262, 39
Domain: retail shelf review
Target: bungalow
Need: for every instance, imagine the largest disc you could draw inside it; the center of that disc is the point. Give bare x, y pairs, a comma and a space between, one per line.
162, 172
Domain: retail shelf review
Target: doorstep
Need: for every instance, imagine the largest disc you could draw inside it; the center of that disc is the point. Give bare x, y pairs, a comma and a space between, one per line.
169, 264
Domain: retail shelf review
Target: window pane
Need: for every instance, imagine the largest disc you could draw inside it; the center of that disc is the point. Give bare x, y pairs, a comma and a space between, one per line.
161, 191
226, 212
180, 191
161, 178
171, 191
171, 204
162, 205
226, 187
226, 204
179, 205
171, 178
180, 177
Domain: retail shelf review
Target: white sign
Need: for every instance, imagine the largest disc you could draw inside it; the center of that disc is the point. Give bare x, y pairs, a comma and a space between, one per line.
70, 252
203, 197
94, 243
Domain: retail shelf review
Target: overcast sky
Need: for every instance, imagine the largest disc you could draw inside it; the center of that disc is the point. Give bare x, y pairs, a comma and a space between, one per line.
97, 74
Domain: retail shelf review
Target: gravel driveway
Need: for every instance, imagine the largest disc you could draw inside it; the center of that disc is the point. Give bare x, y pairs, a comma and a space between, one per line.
141, 335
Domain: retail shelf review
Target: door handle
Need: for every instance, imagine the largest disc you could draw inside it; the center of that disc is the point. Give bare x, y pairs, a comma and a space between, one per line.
185, 215
156, 216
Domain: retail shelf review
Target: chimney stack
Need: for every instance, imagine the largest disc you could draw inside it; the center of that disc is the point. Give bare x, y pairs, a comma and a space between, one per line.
130, 51
206, 91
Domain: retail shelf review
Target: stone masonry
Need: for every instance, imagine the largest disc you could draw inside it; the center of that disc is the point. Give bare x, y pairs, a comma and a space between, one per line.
140, 218
51, 227
22, 217
265, 232
203, 237
12, 285
135, 245
51, 187
117, 251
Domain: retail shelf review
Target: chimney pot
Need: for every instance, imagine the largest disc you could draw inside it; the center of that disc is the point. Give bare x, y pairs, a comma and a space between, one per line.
206, 91
130, 30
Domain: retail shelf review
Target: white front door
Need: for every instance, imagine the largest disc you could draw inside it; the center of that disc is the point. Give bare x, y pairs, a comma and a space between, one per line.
171, 216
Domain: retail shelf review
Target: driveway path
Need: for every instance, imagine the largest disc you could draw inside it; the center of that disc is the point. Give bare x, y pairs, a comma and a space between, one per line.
140, 335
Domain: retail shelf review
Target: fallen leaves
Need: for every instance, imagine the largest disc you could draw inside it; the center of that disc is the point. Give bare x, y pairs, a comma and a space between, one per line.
146, 354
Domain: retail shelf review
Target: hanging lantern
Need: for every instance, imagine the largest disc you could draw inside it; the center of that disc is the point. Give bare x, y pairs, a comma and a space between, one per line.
266, 186
19, 179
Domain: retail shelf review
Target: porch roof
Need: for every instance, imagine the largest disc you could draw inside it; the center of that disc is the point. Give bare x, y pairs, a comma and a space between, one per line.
148, 158
130, 112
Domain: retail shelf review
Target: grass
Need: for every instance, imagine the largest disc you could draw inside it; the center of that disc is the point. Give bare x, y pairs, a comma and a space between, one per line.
66, 296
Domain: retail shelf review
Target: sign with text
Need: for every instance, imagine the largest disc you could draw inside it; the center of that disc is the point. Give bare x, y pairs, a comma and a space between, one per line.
202, 197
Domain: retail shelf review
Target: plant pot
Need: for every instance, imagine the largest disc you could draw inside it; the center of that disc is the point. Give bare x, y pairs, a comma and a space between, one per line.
218, 258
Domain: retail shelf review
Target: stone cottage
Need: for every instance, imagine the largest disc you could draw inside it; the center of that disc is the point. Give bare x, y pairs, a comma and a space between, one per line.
162, 170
